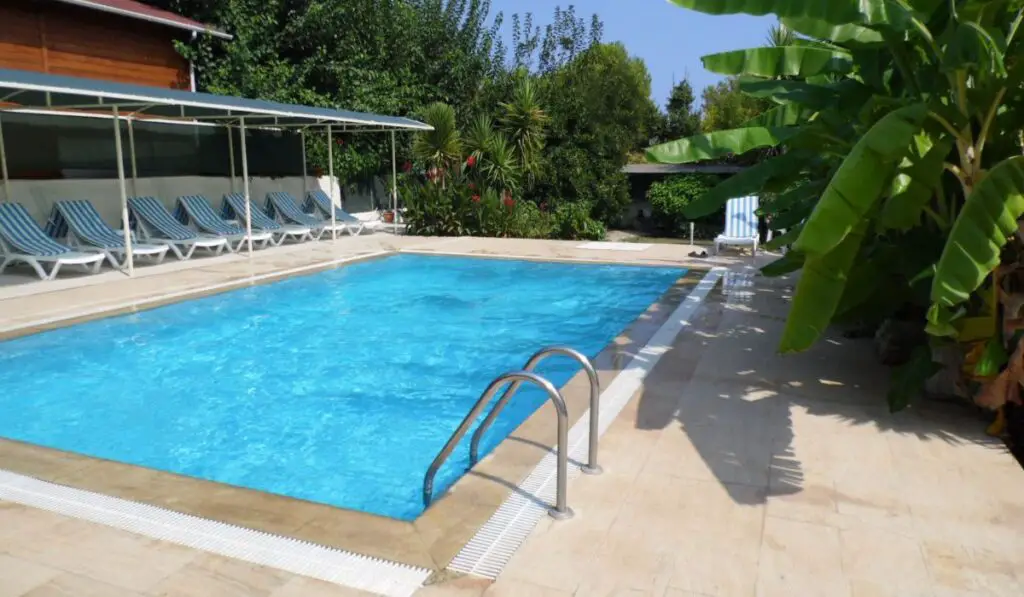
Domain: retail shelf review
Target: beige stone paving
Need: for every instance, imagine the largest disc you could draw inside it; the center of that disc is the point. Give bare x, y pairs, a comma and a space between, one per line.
734, 471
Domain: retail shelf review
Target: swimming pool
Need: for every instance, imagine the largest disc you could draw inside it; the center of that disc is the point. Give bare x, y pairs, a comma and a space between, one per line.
338, 387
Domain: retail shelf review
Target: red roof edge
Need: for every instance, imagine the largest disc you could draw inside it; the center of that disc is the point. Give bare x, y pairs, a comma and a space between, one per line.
138, 10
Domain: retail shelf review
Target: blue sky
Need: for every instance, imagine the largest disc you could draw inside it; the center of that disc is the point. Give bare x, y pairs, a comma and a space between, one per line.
670, 39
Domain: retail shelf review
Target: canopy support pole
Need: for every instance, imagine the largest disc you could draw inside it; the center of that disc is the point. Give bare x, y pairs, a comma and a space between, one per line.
245, 188
131, 151
302, 140
3, 165
330, 181
394, 186
129, 257
231, 156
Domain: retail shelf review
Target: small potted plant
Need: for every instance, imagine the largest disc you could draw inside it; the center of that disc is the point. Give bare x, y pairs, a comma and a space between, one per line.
388, 216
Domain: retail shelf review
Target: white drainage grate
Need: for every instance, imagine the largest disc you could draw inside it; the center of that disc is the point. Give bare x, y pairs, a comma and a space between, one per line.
292, 555
496, 542
610, 246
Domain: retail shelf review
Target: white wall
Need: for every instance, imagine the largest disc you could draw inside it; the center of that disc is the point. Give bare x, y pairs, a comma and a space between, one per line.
38, 196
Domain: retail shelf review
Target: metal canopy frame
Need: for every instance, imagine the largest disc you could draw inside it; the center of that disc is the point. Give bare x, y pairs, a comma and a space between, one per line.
57, 95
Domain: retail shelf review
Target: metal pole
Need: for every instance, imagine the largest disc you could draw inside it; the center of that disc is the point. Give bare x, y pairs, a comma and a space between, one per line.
691, 234
561, 511
302, 139
330, 179
245, 187
3, 164
231, 156
129, 257
131, 151
591, 468
394, 185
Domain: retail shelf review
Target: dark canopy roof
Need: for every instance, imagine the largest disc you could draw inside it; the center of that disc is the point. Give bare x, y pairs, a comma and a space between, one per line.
25, 90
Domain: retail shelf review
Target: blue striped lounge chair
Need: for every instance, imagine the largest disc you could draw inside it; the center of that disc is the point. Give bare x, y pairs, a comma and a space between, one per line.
22, 240
233, 208
196, 210
740, 223
318, 202
156, 224
286, 208
78, 222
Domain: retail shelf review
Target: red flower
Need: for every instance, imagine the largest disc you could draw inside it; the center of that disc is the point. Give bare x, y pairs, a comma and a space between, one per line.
339, 141
476, 198
407, 167
472, 187
508, 200
471, 161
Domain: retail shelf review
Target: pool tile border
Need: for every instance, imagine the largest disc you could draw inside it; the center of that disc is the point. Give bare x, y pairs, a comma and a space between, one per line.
293, 555
487, 552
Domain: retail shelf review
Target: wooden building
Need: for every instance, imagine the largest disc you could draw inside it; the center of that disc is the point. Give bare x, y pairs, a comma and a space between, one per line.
114, 40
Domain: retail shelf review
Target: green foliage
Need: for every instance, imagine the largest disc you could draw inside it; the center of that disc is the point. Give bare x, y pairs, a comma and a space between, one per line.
600, 110
681, 120
523, 120
376, 56
669, 199
441, 147
901, 164
571, 108
727, 107
572, 221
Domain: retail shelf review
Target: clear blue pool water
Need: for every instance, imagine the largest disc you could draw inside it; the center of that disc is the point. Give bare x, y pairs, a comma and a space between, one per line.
338, 387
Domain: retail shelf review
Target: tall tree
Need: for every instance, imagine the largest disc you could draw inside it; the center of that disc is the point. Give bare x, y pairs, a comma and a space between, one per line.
725, 106
681, 119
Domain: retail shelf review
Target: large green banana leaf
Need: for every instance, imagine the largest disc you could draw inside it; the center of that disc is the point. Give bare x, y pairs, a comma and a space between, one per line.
859, 182
788, 263
988, 218
780, 116
818, 97
748, 181
718, 144
819, 292
867, 12
914, 184
779, 61
973, 48
849, 33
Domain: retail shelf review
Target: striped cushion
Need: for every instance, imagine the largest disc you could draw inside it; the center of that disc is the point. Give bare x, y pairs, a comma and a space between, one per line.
321, 201
153, 212
234, 207
289, 208
198, 210
741, 217
23, 233
83, 219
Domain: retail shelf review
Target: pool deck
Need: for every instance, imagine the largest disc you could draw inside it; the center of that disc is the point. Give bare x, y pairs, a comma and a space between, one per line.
733, 471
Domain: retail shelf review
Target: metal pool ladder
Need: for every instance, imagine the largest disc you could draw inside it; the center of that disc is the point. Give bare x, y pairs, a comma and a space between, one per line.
516, 378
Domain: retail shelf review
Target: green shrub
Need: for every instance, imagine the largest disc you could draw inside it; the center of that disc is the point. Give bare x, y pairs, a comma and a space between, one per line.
668, 199
572, 221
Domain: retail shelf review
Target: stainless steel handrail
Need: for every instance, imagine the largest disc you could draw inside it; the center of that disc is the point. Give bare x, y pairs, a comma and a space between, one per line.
561, 511
591, 468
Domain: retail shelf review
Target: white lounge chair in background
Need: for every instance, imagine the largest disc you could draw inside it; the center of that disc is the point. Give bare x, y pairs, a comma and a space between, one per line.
78, 221
740, 224
21, 239
156, 224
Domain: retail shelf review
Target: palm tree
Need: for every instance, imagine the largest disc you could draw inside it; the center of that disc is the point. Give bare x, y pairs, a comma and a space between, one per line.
441, 147
779, 35
524, 122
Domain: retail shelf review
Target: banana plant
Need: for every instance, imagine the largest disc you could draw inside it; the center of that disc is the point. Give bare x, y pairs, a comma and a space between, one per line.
897, 169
